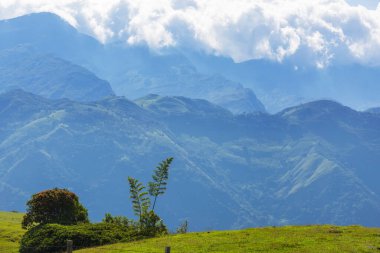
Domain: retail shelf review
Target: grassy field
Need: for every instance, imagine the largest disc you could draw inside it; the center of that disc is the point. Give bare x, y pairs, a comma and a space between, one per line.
10, 231
303, 239
272, 239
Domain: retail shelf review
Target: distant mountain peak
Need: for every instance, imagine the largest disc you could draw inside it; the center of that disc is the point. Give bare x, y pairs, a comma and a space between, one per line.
48, 33
326, 111
41, 21
49, 76
319, 106
40, 16
324, 103
177, 105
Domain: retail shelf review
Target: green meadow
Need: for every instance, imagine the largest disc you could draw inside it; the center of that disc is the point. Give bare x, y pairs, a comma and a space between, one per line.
305, 239
10, 231
308, 239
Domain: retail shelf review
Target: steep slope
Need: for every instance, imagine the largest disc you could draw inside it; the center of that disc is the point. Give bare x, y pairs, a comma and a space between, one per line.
91, 149
47, 33
49, 76
132, 71
229, 171
306, 162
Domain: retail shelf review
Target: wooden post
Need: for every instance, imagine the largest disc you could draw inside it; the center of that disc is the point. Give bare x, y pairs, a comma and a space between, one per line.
69, 246
167, 250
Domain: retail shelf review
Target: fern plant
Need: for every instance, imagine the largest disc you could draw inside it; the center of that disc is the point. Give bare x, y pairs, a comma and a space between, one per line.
160, 177
149, 222
140, 199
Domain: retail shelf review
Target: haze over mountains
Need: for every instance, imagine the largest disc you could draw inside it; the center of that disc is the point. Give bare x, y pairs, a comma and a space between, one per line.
49, 76
132, 72
316, 163
280, 85
235, 165
195, 74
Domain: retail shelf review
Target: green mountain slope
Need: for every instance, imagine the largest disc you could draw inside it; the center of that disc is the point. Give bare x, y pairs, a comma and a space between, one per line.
315, 163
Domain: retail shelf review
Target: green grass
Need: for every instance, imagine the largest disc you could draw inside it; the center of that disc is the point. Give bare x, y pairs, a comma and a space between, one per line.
303, 239
10, 231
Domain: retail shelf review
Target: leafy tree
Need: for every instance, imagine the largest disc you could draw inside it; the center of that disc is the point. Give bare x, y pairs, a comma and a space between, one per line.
54, 206
160, 177
140, 200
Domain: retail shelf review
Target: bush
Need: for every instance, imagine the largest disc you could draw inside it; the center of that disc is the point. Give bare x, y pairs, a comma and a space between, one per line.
182, 229
152, 225
50, 238
118, 220
54, 206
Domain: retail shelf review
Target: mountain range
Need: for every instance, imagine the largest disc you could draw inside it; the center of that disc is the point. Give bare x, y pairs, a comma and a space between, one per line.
283, 84
78, 114
131, 71
314, 163
134, 71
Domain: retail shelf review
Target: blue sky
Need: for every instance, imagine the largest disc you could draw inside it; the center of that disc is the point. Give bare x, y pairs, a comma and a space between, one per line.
315, 32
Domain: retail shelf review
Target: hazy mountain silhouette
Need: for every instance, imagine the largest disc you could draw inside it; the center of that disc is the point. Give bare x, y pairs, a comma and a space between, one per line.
49, 76
132, 71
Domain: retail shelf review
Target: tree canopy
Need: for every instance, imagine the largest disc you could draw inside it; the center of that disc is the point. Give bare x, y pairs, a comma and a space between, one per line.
54, 206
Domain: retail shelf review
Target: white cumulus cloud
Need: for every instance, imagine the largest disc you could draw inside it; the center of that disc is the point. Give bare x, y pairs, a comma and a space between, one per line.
316, 32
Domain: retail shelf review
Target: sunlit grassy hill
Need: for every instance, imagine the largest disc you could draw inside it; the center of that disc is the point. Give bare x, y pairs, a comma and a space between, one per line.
304, 239
318, 238
10, 231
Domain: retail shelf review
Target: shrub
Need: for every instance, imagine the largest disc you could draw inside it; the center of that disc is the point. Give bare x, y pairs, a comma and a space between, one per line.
54, 206
118, 220
152, 225
52, 237
182, 229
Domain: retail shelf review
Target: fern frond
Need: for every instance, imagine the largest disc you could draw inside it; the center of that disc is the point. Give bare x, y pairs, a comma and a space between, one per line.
160, 176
